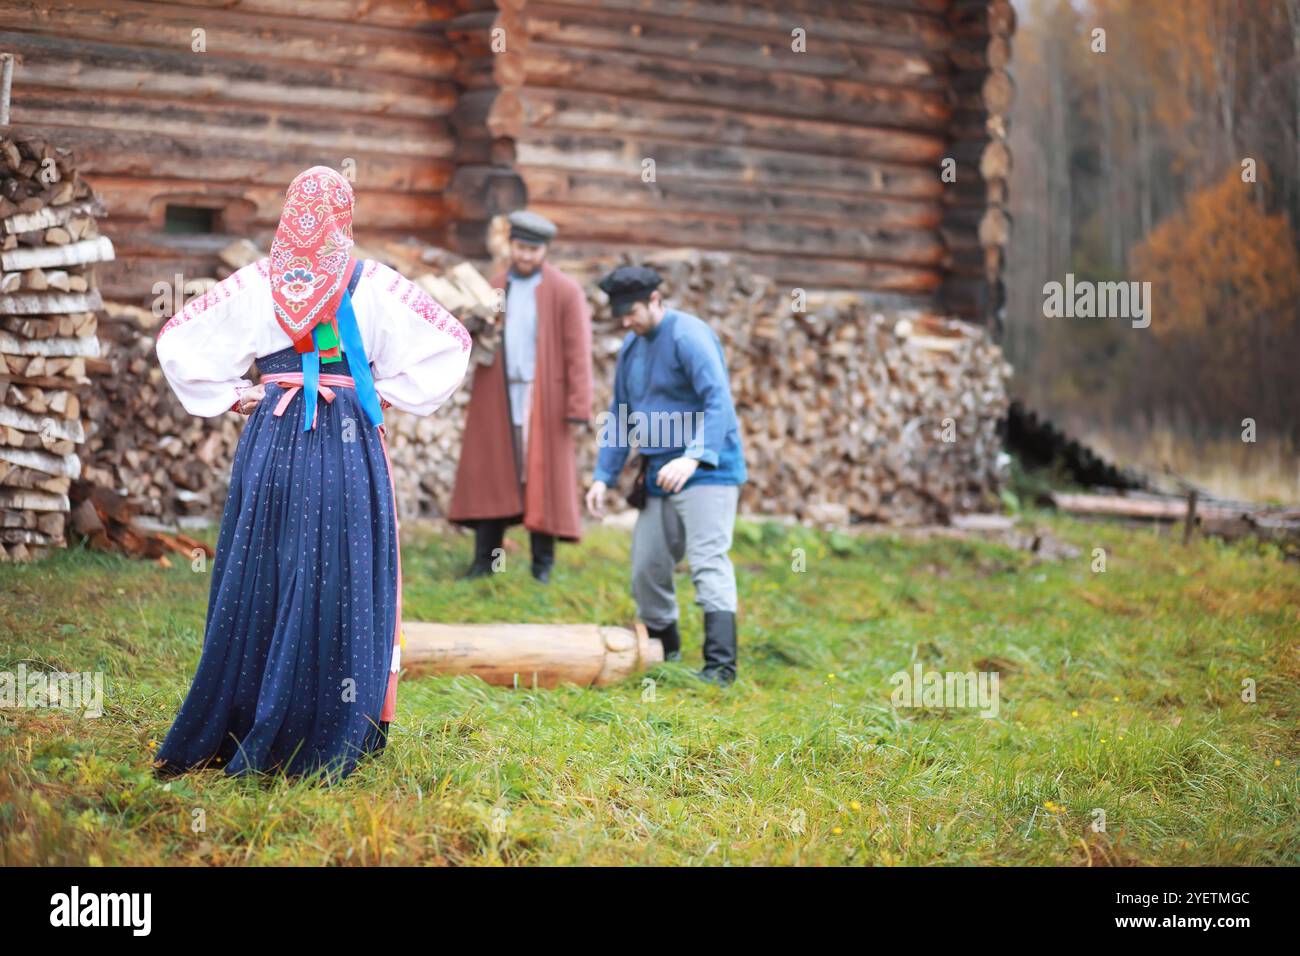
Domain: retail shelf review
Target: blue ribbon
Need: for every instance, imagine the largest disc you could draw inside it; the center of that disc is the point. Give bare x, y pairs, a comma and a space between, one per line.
310, 383
358, 365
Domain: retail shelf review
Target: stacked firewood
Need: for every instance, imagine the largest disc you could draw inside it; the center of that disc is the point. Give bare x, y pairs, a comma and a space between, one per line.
107, 521
175, 468
49, 242
845, 414
141, 442
424, 450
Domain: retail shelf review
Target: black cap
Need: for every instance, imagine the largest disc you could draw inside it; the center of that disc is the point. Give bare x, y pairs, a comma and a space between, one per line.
531, 227
628, 285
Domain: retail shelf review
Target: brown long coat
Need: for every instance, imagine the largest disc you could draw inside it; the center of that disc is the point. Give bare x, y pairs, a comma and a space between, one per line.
487, 484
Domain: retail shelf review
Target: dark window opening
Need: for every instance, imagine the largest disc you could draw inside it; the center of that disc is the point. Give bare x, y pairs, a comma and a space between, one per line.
191, 220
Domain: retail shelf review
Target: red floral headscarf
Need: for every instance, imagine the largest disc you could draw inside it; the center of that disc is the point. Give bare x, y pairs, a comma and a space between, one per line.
309, 256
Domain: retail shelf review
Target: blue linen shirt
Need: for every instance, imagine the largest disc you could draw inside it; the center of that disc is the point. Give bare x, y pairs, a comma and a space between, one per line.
672, 399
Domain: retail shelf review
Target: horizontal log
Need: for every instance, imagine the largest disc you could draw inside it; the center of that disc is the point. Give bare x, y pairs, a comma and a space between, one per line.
797, 203
49, 303
87, 347
264, 162
63, 466
593, 27
705, 162
335, 135
51, 215
579, 111
235, 33
421, 15
177, 74
99, 249
906, 26
1154, 509
775, 93
137, 198
528, 655
131, 278
754, 234
820, 273
48, 426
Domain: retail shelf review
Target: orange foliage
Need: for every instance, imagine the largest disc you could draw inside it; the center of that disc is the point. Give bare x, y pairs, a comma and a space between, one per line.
1221, 266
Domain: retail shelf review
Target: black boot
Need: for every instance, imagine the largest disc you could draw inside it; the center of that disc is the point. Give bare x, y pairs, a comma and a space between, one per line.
671, 640
543, 555
719, 648
488, 536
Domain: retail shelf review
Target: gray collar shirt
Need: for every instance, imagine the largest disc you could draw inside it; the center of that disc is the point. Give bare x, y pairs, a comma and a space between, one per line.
521, 340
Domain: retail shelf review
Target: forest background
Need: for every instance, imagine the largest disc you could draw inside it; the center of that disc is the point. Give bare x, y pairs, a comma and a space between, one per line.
1160, 142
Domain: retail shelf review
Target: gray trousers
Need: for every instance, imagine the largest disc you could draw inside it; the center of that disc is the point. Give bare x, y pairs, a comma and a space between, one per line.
696, 523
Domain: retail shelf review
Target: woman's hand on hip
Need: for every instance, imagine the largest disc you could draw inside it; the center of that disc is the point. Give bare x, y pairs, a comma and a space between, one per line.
249, 399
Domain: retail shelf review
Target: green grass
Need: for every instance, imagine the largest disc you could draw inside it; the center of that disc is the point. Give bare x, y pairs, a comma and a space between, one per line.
1119, 691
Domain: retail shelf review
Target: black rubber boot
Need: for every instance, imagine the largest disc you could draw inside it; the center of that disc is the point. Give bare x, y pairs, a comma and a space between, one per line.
719, 648
488, 536
543, 546
671, 640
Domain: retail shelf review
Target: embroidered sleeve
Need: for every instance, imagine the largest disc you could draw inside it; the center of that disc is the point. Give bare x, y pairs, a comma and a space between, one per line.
206, 348
421, 351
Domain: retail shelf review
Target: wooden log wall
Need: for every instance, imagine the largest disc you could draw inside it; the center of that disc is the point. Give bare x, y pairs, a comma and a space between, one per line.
820, 168
976, 225
281, 86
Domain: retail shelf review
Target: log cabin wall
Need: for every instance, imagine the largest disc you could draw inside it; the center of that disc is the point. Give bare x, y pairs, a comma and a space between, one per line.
820, 168
976, 225
218, 134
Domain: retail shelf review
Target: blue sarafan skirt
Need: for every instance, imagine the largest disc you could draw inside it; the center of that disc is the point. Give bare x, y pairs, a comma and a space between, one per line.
303, 606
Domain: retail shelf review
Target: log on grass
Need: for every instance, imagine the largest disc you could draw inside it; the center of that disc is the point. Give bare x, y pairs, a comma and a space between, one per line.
527, 655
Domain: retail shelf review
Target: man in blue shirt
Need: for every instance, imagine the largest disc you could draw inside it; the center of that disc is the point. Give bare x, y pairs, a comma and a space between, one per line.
672, 400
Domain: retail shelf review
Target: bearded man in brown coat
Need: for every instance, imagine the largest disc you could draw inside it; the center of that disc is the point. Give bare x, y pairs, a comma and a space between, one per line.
517, 460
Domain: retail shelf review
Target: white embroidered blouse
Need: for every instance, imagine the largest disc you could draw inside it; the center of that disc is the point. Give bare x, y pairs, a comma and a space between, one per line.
418, 351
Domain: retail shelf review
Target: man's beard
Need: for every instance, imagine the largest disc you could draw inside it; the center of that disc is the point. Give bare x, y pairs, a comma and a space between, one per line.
523, 272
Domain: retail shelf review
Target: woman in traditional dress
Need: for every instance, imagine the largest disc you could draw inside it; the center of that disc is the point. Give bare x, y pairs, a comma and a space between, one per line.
302, 643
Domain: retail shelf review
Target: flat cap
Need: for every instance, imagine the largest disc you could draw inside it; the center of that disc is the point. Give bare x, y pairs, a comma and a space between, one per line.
628, 285
530, 227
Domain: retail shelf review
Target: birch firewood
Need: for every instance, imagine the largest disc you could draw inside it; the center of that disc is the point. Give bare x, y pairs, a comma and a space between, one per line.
99, 249
47, 334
